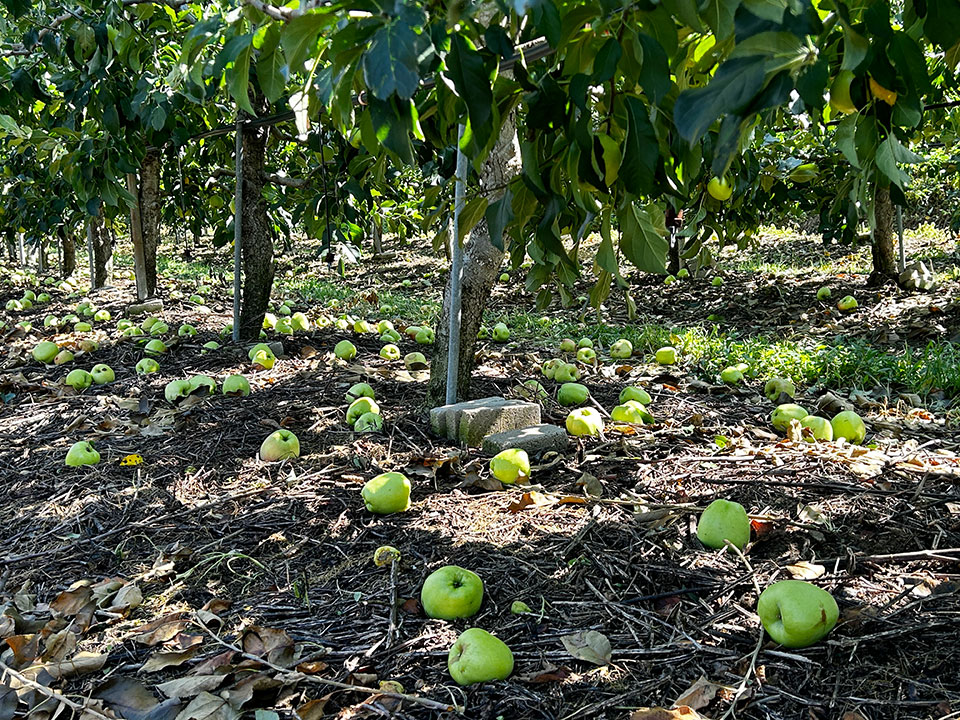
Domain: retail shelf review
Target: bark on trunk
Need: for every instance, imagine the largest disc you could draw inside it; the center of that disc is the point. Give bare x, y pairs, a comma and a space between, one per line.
42, 255
256, 238
68, 247
145, 223
884, 236
481, 265
102, 251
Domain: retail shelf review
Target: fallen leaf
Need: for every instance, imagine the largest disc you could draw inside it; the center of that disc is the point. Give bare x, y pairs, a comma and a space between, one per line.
658, 713
591, 485
80, 664
314, 709
549, 673
162, 629
804, 570
132, 701
187, 687
127, 598
160, 660
208, 707
698, 695
528, 499
70, 602
8, 702
589, 645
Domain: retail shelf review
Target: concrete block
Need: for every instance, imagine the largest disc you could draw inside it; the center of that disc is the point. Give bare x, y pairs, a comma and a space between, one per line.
535, 439
470, 422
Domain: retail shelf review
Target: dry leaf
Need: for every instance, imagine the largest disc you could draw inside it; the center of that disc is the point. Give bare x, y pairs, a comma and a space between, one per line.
162, 629
70, 602
208, 707
127, 598
531, 498
698, 695
313, 710
683, 712
190, 686
589, 645
80, 664
549, 673
132, 701
804, 570
591, 485
160, 660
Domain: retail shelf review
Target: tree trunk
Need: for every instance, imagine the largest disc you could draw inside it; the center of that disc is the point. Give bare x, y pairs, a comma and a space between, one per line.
42, 255
256, 239
69, 248
145, 223
481, 265
102, 251
884, 234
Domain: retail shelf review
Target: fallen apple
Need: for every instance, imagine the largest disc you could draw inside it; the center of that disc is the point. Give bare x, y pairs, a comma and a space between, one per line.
209, 347
415, 361
265, 359
847, 304
369, 422
279, 445
630, 412
584, 342
724, 520
778, 387
550, 367
387, 493
850, 426
196, 299
633, 392
82, 453
102, 374
621, 349
390, 336
155, 347
797, 614
571, 394
567, 372
510, 466
683, 273
717, 281
345, 350
824, 293
584, 421
269, 321
284, 326
176, 390
159, 328
587, 356
361, 406
78, 379
203, 385
236, 385
783, 414
667, 355
283, 309
147, 366
259, 347
361, 327
533, 391
483, 333
451, 592
390, 352
89, 345
731, 375
477, 656
820, 428
43, 298
359, 390
29, 295
501, 333
186, 330
51, 321
101, 316
568, 345
669, 280
82, 326
519, 607
412, 330
300, 322
504, 277
45, 352
385, 555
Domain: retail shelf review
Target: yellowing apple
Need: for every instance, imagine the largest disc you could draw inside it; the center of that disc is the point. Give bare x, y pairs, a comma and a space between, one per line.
387, 493
849, 425
279, 445
82, 453
361, 406
633, 392
415, 361
477, 656
588, 356
567, 345
847, 304
724, 520
451, 592
797, 614
265, 359
720, 188
630, 412
783, 414
510, 466
385, 555
45, 351
667, 355
390, 352
621, 349
345, 350
584, 421
571, 394
820, 428
236, 385
299, 322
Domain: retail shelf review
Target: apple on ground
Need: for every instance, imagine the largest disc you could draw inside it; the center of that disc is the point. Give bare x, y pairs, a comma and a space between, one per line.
412, 330
797, 614
159, 328
279, 445
384, 325
717, 281
78, 379
390, 352
284, 327
630, 412
51, 321
550, 367
155, 347
369, 422
451, 592
359, 390
776, 387
82, 326
89, 345
501, 333
102, 374
196, 299
847, 304
300, 322
203, 385
385, 555
269, 321
567, 372
415, 361
683, 273
82, 453
186, 330
533, 391
824, 293
667, 355
585, 342
572, 393
731, 375
621, 349
483, 333
426, 336
783, 414
724, 520
361, 327
584, 422
147, 366
477, 656
669, 280
820, 428
361, 406
176, 390
510, 466
633, 392
45, 351
586, 355
850, 426
568, 345
236, 385
387, 493
265, 359
504, 277
345, 350
519, 607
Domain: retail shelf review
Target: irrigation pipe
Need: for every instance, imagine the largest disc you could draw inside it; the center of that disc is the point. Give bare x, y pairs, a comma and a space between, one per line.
456, 276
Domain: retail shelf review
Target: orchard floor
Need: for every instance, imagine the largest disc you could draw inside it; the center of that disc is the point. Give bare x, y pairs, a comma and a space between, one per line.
210, 548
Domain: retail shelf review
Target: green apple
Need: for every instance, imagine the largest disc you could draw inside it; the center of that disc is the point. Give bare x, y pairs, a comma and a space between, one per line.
824, 293
633, 392
359, 390
369, 422
415, 361
89, 345
390, 352
284, 326
519, 607
101, 316
265, 359
45, 351
773, 389
147, 366
259, 347
300, 322
797, 614
387, 493
186, 330
683, 273
820, 428
783, 414
385, 555
630, 412
477, 656
724, 520
572, 393
533, 391
717, 281
585, 342
847, 304
29, 295
390, 336
14, 306
720, 188
82, 453
669, 280
483, 333
731, 375
102, 374
451, 592
345, 350
176, 390
412, 331
504, 277
849, 425
82, 326
361, 327
588, 356
584, 421
279, 445
78, 379
621, 349
501, 333
26, 304
43, 298
510, 466
667, 355
198, 382
236, 385
155, 347
568, 345
209, 347
68, 319
159, 328
341, 324
567, 372
269, 321
284, 309
196, 299
550, 367
361, 406
51, 321
384, 325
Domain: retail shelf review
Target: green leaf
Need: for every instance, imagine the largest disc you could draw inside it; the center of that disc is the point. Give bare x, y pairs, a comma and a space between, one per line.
734, 86
272, 71
299, 38
942, 25
855, 47
499, 215
471, 78
230, 52
238, 79
641, 152
887, 162
639, 240
470, 216
611, 159
392, 122
718, 14
390, 64
845, 139
655, 71
605, 63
